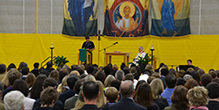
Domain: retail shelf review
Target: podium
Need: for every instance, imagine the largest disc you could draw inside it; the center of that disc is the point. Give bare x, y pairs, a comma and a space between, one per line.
108, 56
84, 56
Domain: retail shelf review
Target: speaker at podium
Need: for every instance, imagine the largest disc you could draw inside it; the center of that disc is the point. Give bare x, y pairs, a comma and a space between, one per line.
84, 56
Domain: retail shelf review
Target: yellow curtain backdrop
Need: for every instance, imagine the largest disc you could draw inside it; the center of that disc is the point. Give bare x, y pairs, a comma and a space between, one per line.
31, 48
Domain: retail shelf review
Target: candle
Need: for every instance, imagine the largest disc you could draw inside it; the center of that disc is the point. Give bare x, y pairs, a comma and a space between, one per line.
51, 45
152, 46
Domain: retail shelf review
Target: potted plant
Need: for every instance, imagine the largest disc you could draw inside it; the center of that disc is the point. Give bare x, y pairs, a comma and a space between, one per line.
60, 60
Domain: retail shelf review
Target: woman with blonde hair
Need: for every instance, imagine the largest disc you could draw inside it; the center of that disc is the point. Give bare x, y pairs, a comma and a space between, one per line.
157, 89
198, 98
109, 79
63, 86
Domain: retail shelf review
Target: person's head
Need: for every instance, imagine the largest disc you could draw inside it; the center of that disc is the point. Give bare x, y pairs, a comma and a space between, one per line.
189, 62
157, 87
87, 38
170, 81
109, 80
164, 71
90, 90
191, 83
107, 70
122, 66
127, 89
127, 10
14, 100
120, 75
200, 72
36, 65
30, 79
197, 96
12, 65
179, 99
180, 74
49, 64
49, 96
49, 82
90, 69
187, 77
37, 86
2, 68
144, 95
216, 80
111, 94
13, 74
77, 85
100, 75
150, 68
21, 65
140, 48
54, 74
71, 81
25, 70
133, 70
62, 73
139, 83
116, 83
21, 86
205, 79
213, 74
213, 90
180, 81
126, 70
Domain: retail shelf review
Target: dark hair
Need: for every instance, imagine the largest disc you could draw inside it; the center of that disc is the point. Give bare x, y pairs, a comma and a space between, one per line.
206, 79
122, 66
71, 81
90, 69
126, 70
116, 83
213, 90
144, 95
164, 71
2, 68
12, 65
213, 74
139, 83
191, 83
107, 70
49, 82
25, 70
78, 84
20, 85
49, 96
62, 74
36, 65
90, 90
49, 64
30, 79
189, 60
216, 80
21, 65
100, 75
170, 81
179, 99
180, 81
37, 86
87, 37
54, 74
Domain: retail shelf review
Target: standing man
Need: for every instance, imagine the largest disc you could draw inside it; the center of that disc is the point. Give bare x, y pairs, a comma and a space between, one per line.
140, 54
89, 45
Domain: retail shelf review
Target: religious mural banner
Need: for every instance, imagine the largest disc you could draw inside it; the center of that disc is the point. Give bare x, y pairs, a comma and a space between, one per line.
80, 17
170, 17
126, 18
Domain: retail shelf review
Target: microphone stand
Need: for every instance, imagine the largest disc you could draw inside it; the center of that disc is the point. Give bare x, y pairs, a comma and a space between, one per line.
108, 47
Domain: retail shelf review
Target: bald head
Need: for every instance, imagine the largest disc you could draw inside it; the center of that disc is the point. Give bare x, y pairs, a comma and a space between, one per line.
140, 48
127, 88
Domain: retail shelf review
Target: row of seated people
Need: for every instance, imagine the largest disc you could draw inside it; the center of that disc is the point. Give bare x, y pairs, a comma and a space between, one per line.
89, 87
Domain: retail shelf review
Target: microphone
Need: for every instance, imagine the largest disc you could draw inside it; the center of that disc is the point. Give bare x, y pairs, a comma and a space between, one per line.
115, 43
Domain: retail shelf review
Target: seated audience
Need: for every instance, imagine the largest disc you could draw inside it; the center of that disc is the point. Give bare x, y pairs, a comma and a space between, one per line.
198, 98
144, 97
90, 93
69, 93
213, 94
179, 99
170, 81
48, 98
35, 71
112, 94
157, 89
70, 102
205, 79
21, 86
14, 100
191, 83
126, 103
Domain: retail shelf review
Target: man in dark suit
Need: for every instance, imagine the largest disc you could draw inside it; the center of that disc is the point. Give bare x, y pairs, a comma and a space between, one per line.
90, 93
126, 103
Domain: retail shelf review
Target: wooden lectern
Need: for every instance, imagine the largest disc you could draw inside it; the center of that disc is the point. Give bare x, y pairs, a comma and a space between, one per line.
84, 56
